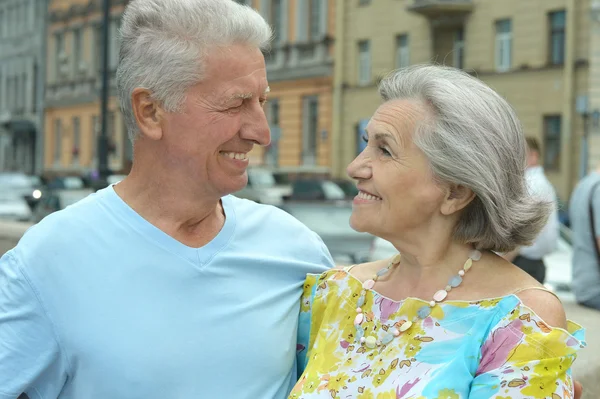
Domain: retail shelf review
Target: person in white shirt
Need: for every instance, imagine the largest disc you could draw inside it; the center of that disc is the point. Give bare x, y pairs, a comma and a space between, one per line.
530, 258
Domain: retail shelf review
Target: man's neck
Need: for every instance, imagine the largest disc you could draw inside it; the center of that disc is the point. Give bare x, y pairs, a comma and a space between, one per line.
191, 218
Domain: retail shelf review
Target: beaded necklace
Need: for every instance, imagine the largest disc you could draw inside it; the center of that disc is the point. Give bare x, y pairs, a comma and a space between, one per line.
373, 341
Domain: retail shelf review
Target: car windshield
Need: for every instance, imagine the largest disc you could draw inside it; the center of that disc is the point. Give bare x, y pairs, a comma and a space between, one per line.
324, 219
15, 180
333, 191
9, 196
261, 178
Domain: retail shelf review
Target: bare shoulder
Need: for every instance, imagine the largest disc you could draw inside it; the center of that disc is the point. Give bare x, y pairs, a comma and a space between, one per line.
532, 294
546, 305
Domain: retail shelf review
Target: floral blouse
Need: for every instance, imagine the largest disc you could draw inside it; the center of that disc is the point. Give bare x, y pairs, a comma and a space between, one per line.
497, 348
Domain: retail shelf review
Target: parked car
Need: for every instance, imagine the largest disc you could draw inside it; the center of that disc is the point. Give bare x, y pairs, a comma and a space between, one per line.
56, 200
13, 207
331, 221
262, 187
348, 186
25, 186
316, 190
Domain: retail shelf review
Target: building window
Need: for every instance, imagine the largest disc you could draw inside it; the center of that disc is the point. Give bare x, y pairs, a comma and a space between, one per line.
310, 125
18, 95
557, 37
364, 2
316, 28
34, 88
458, 52
273, 112
503, 45
552, 130
2, 23
364, 62
25, 95
276, 17
98, 46
59, 53
77, 49
402, 51
310, 18
243, 2
76, 140
94, 147
57, 141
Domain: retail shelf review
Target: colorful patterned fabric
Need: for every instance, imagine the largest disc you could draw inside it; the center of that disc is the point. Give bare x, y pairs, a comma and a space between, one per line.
496, 348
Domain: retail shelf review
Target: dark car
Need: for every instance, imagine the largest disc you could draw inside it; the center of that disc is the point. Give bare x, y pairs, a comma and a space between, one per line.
58, 199
316, 190
331, 221
348, 186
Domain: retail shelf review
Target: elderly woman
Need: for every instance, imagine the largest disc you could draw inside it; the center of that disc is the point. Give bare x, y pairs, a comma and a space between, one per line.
442, 178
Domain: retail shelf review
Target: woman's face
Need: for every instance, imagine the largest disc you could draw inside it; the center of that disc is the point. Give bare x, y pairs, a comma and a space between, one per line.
398, 194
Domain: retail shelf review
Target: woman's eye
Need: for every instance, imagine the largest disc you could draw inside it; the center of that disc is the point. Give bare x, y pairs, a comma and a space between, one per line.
385, 152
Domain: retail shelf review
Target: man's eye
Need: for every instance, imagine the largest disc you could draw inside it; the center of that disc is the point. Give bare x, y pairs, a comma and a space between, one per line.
385, 152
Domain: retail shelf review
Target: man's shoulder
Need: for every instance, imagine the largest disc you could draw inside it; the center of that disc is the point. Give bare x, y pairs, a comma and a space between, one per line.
66, 227
266, 215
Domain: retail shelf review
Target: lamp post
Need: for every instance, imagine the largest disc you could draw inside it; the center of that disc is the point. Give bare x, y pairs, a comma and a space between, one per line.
103, 136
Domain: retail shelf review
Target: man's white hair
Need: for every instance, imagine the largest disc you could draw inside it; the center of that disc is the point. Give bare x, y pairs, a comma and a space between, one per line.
164, 44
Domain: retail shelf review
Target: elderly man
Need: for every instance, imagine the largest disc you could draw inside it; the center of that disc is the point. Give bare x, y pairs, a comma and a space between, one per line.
165, 286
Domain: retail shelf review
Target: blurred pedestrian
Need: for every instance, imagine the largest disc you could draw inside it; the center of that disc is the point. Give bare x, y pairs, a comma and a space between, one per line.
530, 258
584, 214
164, 285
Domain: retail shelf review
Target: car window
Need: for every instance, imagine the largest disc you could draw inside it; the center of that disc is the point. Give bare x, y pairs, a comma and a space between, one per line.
261, 178
333, 191
14, 180
324, 219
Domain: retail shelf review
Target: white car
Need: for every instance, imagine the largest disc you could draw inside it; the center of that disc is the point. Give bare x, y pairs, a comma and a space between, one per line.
14, 207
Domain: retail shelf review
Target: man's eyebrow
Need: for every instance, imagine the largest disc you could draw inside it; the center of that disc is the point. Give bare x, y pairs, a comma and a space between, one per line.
243, 96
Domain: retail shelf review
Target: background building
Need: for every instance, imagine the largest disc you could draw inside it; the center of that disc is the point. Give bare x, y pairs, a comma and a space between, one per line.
300, 73
535, 53
22, 65
74, 86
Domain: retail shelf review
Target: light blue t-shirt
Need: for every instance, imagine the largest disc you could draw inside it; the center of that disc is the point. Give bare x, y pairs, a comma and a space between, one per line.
97, 303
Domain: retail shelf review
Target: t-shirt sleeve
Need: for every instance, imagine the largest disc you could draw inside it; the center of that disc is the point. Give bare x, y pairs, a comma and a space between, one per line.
596, 206
30, 357
325, 261
523, 357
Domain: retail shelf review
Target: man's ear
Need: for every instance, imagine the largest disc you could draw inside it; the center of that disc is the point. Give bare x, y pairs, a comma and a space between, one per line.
457, 198
148, 113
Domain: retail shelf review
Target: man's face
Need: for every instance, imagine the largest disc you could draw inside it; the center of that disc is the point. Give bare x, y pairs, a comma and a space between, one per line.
221, 120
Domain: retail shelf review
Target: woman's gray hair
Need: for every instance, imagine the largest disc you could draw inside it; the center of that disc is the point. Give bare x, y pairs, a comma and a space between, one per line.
164, 44
473, 138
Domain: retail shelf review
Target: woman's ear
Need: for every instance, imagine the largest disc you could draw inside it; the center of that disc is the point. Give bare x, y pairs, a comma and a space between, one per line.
457, 198
148, 113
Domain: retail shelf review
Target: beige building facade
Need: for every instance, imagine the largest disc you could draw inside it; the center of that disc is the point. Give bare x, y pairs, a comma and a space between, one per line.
536, 53
73, 87
300, 74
